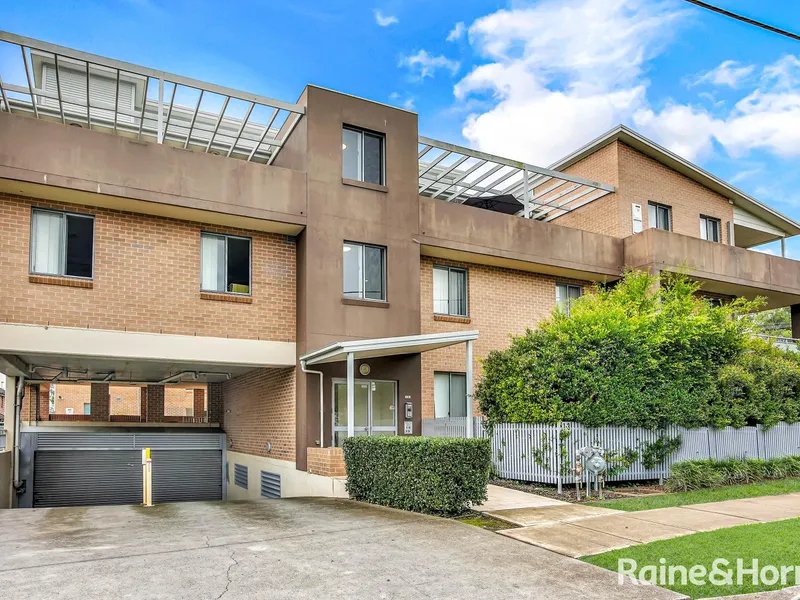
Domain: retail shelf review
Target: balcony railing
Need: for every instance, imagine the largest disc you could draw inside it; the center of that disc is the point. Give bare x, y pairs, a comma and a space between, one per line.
785, 343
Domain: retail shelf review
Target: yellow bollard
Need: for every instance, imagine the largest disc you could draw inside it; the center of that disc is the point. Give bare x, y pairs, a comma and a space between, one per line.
147, 478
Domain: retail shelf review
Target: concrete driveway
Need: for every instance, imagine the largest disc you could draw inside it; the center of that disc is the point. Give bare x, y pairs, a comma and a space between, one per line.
291, 548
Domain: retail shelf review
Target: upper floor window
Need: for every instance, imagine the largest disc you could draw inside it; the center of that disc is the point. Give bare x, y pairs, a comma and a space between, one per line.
364, 271
450, 291
566, 294
362, 155
62, 243
450, 394
709, 228
224, 263
659, 216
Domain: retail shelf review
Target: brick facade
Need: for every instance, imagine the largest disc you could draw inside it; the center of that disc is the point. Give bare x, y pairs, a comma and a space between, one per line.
326, 461
146, 278
260, 410
199, 402
155, 403
99, 402
501, 302
216, 404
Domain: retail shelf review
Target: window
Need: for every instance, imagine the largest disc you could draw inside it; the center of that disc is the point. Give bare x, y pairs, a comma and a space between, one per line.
709, 228
659, 216
450, 291
450, 394
62, 243
364, 269
87, 408
566, 294
362, 155
225, 263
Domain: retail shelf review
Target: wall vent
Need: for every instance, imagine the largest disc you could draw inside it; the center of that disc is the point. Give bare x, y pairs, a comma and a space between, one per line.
270, 485
240, 475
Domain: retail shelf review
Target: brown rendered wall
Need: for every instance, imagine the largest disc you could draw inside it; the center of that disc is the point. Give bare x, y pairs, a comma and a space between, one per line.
260, 409
146, 278
502, 302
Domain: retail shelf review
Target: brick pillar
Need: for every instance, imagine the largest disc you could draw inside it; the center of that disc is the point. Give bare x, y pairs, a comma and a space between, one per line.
199, 403
155, 403
143, 404
99, 400
796, 321
216, 408
40, 399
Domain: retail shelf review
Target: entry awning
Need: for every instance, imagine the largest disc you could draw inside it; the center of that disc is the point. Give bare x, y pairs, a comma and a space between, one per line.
376, 347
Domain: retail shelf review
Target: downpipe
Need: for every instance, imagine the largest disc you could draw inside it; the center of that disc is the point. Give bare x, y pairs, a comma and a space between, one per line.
321, 402
18, 486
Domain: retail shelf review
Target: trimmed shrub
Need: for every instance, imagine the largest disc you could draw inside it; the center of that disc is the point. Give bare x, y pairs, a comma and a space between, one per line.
423, 474
707, 473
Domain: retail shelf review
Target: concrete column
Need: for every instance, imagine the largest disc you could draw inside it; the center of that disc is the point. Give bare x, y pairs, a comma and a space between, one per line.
155, 403
796, 321
99, 399
199, 409
216, 404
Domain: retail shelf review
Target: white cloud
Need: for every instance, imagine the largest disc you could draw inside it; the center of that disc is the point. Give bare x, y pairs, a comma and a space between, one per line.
727, 73
555, 88
385, 20
682, 129
425, 65
398, 100
457, 32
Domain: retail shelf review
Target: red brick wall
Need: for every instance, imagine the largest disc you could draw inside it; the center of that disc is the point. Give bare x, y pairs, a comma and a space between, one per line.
216, 406
260, 408
326, 461
155, 403
146, 278
501, 302
199, 399
99, 401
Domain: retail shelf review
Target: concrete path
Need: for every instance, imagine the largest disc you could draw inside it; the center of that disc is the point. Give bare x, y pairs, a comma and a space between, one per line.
503, 498
579, 533
291, 548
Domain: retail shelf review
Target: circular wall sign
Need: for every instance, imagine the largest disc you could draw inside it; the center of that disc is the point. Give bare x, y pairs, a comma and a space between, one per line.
364, 369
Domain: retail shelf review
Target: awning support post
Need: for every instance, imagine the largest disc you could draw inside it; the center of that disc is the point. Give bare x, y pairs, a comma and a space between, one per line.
351, 396
470, 420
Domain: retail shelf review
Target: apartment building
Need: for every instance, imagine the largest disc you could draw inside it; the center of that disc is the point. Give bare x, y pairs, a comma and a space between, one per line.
240, 283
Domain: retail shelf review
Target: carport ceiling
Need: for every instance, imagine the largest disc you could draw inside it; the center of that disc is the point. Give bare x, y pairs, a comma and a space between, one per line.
139, 371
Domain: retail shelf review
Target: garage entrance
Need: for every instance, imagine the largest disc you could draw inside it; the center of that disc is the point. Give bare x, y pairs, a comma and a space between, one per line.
93, 468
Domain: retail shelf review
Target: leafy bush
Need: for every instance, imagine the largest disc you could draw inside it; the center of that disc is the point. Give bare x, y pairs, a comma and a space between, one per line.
649, 352
430, 475
707, 473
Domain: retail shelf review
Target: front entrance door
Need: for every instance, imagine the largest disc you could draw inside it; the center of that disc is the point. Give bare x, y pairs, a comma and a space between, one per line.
375, 408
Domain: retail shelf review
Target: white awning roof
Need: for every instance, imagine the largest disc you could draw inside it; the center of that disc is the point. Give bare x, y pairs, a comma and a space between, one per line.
408, 344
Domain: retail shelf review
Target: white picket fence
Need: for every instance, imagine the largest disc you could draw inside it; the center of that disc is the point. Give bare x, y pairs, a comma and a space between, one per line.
542, 454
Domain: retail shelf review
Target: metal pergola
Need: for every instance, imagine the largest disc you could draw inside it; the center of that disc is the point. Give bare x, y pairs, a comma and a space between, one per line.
462, 175
155, 106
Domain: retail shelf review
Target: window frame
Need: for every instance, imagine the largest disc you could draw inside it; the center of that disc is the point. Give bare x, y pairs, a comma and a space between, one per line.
704, 222
361, 133
568, 309
63, 250
449, 270
656, 206
449, 388
362, 286
250, 269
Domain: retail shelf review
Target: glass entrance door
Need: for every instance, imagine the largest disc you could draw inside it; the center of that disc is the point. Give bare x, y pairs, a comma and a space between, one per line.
375, 409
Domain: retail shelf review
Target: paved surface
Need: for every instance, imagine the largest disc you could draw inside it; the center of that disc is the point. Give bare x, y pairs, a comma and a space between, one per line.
503, 498
790, 593
550, 515
291, 548
576, 534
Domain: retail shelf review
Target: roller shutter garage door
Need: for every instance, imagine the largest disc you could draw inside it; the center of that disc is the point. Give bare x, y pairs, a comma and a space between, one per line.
86, 469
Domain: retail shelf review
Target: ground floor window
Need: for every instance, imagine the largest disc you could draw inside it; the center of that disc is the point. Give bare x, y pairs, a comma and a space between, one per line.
450, 394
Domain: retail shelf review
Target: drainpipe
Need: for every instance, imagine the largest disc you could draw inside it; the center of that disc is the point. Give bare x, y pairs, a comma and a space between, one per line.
17, 424
321, 403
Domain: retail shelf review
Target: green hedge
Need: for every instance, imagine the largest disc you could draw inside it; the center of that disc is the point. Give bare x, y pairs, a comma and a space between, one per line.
706, 473
430, 475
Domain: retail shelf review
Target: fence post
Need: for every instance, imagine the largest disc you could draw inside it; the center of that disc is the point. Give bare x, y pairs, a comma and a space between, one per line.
558, 457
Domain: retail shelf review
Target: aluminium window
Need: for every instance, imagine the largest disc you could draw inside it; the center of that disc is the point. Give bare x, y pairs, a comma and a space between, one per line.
659, 216
87, 408
224, 263
566, 294
709, 228
62, 244
450, 291
364, 271
362, 155
450, 394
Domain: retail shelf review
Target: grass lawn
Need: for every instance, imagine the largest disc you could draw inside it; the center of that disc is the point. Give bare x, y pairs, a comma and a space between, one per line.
771, 543
731, 492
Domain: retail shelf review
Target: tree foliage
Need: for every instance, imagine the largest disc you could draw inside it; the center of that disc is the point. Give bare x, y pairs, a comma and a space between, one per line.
647, 352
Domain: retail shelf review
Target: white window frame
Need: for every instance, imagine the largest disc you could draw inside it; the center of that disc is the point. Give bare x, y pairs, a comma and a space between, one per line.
227, 237
704, 222
567, 306
62, 258
362, 288
361, 132
450, 270
449, 390
652, 215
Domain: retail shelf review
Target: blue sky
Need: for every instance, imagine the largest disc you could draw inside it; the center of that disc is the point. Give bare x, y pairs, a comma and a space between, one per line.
528, 80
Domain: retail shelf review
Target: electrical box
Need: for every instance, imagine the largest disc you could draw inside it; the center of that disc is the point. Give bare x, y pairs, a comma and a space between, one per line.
636, 215
408, 427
